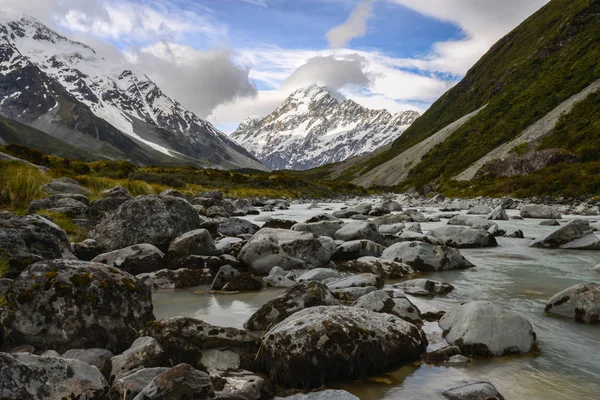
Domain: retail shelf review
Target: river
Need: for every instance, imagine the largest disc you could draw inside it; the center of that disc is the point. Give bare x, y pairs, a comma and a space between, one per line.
512, 275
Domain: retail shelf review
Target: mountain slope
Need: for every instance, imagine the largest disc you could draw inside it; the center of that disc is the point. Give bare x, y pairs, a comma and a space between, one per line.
66, 90
528, 74
312, 127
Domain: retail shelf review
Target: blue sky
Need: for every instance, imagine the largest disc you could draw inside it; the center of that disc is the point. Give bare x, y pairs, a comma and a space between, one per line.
230, 59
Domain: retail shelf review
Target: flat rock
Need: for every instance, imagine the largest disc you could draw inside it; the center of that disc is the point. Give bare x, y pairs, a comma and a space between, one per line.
357, 231
360, 280
136, 259
179, 382
321, 228
354, 249
424, 287
580, 302
576, 234
464, 238
540, 211
474, 391
386, 269
390, 301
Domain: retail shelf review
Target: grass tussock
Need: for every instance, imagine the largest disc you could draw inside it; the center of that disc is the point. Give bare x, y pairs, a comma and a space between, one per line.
4, 269
20, 184
74, 231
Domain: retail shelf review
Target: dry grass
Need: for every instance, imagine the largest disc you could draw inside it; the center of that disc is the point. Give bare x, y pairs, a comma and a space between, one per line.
20, 184
74, 231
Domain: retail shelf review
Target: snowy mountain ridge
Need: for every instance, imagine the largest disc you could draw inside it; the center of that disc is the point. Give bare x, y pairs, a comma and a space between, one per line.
314, 127
130, 102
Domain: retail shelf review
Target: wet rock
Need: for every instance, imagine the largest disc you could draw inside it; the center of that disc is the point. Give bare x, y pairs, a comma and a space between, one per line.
184, 339
498, 214
464, 238
474, 391
176, 279
64, 185
278, 278
304, 295
29, 239
50, 353
386, 269
426, 257
226, 274
440, 355
390, 301
237, 226
25, 348
246, 206
516, 234
229, 245
549, 222
327, 343
391, 229
130, 385
242, 283
458, 360
483, 329
86, 250
474, 222
136, 259
216, 212
25, 376
358, 231
279, 223
321, 228
99, 358
540, 211
352, 281
241, 384
322, 217
146, 219
479, 210
318, 274
357, 248
424, 287
329, 394
179, 382
284, 248
214, 360
196, 242
65, 304
577, 234
144, 352
580, 302
410, 236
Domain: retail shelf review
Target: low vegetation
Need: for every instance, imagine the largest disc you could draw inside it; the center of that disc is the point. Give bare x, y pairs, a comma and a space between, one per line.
74, 231
20, 184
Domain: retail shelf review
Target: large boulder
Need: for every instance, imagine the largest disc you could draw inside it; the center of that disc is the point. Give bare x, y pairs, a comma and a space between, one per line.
240, 384
318, 274
136, 259
278, 278
284, 248
357, 248
424, 287
146, 219
29, 239
353, 281
328, 343
237, 226
580, 302
197, 242
131, 385
463, 238
321, 228
540, 211
577, 234
426, 257
26, 376
474, 391
144, 352
386, 269
498, 214
176, 278
484, 329
479, 210
179, 382
65, 304
64, 185
390, 301
99, 358
304, 295
357, 231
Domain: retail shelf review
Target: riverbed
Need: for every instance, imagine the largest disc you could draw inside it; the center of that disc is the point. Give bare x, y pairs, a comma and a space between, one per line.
511, 275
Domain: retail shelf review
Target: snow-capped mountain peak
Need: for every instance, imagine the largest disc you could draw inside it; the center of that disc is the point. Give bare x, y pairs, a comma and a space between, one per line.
313, 126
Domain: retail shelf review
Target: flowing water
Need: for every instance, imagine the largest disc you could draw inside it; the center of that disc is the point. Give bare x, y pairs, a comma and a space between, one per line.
512, 275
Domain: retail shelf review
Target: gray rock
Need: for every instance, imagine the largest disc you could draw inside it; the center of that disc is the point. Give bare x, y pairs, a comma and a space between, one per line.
318, 274
580, 302
498, 214
279, 223
336, 342
516, 234
479, 210
237, 226
304, 295
549, 222
146, 219
474, 391
50, 353
357, 248
86, 250
360, 280
464, 238
144, 352
179, 382
386, 269
5, 284
284, 248
416, 227
64, 185
130, 385
357, 231
228, 245
109, 204
540, 211
220, 360
410, 236
321, 228
474, 222
329, 394
483, 329
136, 259
424, 287
390, 301
31, 238
117, 191
349, 295
242, 384
391, 229
104, 307
226, 274
99, 358
25, 376
426, 257
277, 278
196, 242
577, 234
458, 360
176, 279
322, 217
246, 206
243, 283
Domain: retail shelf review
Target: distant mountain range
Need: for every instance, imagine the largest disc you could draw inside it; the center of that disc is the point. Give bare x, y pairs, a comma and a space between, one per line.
313, 127
68, 94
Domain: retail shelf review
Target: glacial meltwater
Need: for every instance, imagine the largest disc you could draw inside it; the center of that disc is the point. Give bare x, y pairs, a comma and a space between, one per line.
512, 275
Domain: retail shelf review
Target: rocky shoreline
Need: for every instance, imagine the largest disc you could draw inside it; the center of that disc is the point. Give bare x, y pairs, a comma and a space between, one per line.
77, 319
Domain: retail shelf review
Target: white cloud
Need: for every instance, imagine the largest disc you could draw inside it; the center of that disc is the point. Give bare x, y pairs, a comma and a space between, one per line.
329, 71
355, 26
